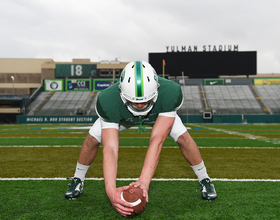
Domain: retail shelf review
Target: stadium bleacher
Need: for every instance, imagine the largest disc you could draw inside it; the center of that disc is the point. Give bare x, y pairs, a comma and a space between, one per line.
222, 100
33, 105
192, 102
59, 103
91, 106
232, 99
270, 96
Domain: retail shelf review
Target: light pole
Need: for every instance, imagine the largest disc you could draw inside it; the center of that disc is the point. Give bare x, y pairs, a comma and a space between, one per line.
13, 78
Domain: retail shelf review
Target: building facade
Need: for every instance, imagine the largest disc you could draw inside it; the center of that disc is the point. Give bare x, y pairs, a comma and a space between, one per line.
24, 76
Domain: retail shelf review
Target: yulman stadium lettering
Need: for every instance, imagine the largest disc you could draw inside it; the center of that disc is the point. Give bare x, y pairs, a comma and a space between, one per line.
205, 48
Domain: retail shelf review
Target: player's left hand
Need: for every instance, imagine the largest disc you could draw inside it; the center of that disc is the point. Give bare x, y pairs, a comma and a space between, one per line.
141, 186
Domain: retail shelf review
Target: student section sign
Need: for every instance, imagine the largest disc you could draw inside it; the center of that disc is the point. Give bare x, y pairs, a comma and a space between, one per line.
67, 119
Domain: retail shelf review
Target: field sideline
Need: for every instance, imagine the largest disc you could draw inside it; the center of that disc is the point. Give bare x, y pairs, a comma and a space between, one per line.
242, 160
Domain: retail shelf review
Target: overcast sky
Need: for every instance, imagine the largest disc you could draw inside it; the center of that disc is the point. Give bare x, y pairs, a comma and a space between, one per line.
130, 29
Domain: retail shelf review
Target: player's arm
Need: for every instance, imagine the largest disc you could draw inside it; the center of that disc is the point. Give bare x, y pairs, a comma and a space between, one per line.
110, 139
159, 133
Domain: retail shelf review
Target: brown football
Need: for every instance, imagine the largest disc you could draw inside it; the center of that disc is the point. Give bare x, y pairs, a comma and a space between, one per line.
135, 197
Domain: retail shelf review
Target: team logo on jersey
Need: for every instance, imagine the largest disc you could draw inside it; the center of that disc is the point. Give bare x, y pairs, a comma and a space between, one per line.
129, 119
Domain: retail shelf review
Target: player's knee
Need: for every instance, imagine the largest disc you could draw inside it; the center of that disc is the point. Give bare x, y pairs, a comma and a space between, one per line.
91, 141
184, 138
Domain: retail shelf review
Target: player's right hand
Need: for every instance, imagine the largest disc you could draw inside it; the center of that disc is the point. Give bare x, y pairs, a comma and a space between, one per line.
121, 206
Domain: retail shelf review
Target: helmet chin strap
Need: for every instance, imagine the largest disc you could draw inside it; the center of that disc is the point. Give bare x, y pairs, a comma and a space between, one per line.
141, 127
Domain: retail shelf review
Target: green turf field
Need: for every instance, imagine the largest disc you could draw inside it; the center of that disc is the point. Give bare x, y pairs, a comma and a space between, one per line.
243, 161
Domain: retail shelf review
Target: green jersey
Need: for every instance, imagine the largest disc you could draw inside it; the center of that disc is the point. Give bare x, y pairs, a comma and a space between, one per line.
111, 108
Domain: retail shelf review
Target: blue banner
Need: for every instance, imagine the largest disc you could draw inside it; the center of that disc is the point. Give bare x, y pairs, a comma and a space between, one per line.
78, 85
100, 84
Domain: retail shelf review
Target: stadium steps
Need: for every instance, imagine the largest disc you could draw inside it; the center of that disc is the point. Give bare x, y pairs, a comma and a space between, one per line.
258, 97
270, 96
204, 100
35, 102
91, 105
41, 104
192, 102
88, 103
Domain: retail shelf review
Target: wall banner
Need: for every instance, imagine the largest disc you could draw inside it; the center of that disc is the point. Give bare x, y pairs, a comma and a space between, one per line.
53, 85
78, 85
267, 81
101, 84
214, 82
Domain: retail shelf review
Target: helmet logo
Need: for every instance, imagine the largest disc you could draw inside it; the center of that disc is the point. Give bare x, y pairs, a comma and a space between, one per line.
155, 76
122, 75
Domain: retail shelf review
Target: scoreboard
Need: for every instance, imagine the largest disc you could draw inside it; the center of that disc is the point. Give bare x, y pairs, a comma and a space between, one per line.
205, 64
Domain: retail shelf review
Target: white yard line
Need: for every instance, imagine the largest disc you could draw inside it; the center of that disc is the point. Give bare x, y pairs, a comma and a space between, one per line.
164, 147
211, 147
247, 136
154, 179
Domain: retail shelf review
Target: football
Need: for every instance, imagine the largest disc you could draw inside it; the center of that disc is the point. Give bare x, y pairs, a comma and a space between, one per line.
135, 197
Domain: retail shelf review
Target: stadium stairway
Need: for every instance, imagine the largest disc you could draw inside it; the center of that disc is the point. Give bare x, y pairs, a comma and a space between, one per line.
192, 102
270, 96
265, 108
39, 102
86, 107
90, 108
204, 100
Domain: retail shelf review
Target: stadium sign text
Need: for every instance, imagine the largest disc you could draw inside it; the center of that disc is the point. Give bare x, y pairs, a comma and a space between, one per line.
23, 119
205, 48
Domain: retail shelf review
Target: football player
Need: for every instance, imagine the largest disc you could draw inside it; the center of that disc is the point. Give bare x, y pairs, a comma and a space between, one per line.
140, 97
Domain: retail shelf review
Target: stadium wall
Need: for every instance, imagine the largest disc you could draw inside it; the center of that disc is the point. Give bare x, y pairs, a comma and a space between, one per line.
231, 119
88, 119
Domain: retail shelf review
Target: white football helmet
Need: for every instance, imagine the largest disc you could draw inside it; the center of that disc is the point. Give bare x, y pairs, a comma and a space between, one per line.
139, 84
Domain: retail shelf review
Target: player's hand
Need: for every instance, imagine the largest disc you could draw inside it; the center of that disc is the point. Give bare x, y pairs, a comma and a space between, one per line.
121, 206
142, 186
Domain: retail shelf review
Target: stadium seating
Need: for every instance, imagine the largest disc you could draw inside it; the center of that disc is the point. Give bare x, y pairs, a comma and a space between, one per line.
192, 102
270, 94
232, 99
91, 106
35, 104
59, 103
222, 100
